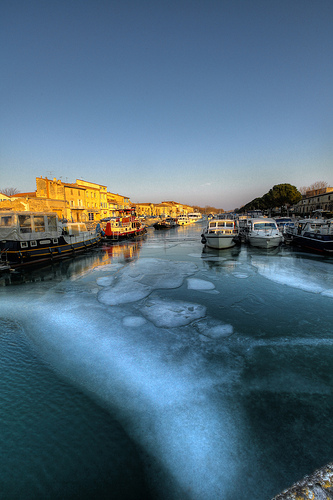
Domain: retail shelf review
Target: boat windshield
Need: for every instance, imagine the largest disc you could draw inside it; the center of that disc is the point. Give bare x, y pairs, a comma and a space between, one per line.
6, 220
264, 225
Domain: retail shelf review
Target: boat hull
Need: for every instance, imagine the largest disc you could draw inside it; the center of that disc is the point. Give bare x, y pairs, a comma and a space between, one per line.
265, 241
315, 242
123, 235
218, 241
45, 250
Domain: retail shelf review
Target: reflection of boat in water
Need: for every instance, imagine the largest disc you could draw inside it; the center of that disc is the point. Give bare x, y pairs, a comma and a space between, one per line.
220, 233
126, 226
32, 237
126, 251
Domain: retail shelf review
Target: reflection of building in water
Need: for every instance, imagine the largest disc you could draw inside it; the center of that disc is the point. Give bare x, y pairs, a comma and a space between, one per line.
127, 250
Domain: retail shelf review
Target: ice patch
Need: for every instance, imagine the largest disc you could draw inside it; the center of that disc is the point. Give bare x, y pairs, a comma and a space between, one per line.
197, 284
123, 292
306, 275
214, 329
109, 267
240, 275
105, 281
170, 314
138, 279
134, 321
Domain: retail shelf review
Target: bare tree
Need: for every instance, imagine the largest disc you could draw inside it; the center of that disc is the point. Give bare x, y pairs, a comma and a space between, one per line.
9, 191
303, 189
315, 185
318, 185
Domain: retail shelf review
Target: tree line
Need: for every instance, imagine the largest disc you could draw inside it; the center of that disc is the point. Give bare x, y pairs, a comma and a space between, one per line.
280, 195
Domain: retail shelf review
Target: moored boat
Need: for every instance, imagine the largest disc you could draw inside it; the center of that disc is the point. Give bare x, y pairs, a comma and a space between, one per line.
312, 234
263, 233
194, 216
126, 226
31, 237
183, 220
220, 233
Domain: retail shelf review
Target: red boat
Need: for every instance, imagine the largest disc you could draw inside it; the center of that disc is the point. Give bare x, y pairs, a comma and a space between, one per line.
125, 226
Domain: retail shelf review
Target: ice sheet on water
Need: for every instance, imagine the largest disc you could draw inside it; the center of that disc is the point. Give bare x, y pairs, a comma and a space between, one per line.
123, 292
164, 406
105, 280
213, 329
145, 373
138, 279
134, 321
198, 284
307, 275
169, 314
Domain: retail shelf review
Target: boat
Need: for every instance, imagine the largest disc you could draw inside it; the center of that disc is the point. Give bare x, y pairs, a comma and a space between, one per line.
167, 223
312, 234
194, 216
283, 223
32, 237
263, 233
220, 233
125, 226
183, 220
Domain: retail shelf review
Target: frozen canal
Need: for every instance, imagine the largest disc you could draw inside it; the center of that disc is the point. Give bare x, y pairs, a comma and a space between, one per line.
157, 370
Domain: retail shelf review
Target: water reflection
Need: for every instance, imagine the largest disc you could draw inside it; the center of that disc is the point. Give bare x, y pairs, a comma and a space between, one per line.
123, 252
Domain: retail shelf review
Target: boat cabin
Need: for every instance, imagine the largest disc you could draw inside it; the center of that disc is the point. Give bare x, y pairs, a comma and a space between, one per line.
22, 225
221, 226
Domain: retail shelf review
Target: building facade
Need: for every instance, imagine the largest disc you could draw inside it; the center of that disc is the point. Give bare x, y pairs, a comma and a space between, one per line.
320, 199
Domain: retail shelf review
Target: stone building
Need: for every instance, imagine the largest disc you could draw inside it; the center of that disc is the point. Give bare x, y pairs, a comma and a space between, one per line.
319, 199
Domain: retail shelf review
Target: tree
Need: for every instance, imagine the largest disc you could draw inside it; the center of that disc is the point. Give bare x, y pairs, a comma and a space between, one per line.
283, 194
9, 191
314, 186
278, 196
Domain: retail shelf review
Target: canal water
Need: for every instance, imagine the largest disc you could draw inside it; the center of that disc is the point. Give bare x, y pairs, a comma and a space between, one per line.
158, 369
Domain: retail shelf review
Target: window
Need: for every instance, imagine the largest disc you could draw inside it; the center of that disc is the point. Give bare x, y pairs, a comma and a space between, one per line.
25, 223
52, 222
91, 216
39, 223
6, 220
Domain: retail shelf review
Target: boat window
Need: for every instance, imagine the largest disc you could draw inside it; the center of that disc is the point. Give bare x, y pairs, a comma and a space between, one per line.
39, 223
212, 224
52, 222
264, 225
6, 220
229, 224
220, 224
25, 223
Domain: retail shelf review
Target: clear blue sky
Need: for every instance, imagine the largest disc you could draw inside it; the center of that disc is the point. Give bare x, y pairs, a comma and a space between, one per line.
199, 101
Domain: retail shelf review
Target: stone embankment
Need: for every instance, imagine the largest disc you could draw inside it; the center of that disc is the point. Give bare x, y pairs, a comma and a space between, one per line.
317, 486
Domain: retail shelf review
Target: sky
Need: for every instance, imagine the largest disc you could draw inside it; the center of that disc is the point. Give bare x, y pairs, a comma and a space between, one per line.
203, 102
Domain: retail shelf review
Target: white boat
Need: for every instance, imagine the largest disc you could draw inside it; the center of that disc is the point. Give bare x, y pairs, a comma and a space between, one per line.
32, 237
195, 216
220, 233
183, 220
263, 233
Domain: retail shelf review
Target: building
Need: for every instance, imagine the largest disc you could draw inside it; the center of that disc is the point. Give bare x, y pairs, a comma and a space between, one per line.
319, 199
